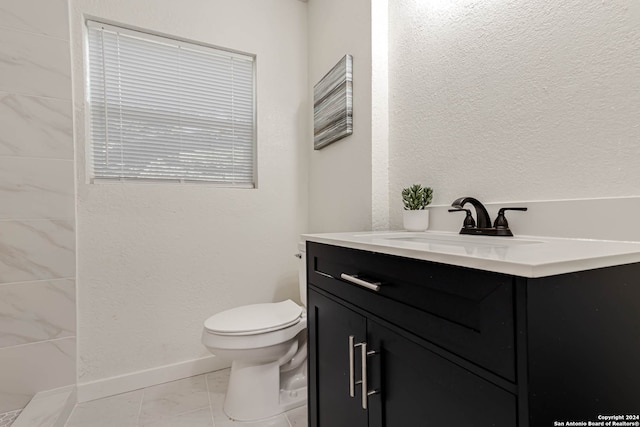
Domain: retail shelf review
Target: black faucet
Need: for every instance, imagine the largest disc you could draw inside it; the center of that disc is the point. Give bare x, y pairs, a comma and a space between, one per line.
500, 226
482, 215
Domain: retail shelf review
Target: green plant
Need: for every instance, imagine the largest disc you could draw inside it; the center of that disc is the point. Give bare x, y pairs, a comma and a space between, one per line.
416, 197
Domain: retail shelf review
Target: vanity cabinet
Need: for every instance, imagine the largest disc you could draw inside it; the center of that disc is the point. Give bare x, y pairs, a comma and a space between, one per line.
402, 375
446, 345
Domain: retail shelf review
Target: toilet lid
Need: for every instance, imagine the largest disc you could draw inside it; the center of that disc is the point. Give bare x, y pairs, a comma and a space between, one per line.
255, 318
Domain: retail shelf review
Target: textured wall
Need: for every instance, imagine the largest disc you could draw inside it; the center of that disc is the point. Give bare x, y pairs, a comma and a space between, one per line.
37, 238
515, 101
379, 114
155, 260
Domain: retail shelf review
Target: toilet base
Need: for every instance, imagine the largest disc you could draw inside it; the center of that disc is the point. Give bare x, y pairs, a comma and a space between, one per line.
293, 391
291, 399
260, 385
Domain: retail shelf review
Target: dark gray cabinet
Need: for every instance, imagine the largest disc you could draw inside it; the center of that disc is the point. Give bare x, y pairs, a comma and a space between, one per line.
406, 383
333, 324
457, 346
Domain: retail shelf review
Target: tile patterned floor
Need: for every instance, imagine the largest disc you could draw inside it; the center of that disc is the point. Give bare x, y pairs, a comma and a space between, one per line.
190, 402
48, 408
8, 418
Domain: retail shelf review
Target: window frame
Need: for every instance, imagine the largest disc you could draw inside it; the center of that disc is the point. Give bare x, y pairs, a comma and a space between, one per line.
171, 40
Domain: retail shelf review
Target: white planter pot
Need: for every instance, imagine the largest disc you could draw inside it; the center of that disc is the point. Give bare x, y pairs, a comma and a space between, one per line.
415, 220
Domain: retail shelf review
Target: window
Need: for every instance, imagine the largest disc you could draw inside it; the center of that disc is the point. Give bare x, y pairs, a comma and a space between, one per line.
168, 110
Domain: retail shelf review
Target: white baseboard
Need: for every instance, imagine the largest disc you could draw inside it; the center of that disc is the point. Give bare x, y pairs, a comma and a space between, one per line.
149, 377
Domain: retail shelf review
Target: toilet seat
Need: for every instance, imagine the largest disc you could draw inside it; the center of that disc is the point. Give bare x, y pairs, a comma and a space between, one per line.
254, 319
253, 341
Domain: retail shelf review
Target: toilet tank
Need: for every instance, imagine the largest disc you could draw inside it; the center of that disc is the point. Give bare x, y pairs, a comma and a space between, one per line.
302, 272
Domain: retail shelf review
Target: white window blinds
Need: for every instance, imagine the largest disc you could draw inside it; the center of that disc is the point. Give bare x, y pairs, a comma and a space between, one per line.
163, 109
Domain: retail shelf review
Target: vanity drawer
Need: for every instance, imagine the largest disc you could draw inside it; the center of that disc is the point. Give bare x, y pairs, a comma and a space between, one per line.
465, 311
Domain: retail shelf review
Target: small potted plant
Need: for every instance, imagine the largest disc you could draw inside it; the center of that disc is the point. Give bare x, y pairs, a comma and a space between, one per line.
415, 199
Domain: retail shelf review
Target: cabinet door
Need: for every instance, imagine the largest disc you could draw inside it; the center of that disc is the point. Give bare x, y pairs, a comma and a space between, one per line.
421, 388
329, 326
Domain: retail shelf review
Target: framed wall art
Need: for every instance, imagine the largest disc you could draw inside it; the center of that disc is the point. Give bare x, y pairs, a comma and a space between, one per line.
333, 104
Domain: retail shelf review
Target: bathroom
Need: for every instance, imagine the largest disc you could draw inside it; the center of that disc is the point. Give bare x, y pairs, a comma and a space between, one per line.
106, 286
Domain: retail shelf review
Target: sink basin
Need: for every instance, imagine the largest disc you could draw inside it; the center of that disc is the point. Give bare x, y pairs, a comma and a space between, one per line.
453, 240
465, 241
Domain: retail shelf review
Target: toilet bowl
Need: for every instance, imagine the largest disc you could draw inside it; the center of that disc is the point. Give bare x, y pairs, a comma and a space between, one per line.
268, 349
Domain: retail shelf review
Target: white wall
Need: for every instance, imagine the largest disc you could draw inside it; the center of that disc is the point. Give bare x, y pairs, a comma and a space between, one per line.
522, 102
154, 261
344, 193
37, 233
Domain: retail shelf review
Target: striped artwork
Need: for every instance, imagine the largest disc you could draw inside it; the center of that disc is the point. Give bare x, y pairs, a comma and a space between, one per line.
333, 104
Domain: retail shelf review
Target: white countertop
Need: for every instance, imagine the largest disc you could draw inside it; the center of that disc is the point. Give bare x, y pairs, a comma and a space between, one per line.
526, 256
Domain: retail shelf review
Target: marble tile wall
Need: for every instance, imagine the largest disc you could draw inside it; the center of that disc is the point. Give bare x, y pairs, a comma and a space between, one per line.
34, 64
37, 224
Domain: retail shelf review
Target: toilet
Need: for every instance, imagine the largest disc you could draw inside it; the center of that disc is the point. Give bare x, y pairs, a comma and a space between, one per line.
267, 344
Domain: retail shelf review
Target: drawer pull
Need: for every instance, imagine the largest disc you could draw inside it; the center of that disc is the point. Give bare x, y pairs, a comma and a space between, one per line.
375, 286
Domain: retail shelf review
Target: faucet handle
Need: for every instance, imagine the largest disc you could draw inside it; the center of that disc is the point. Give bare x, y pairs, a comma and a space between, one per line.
469, 222
501, 220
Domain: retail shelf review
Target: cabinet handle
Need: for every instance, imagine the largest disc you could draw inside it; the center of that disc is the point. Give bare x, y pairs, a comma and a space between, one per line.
352, 381
363, 382
365, 388
364, 374
375, 286
365, 391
